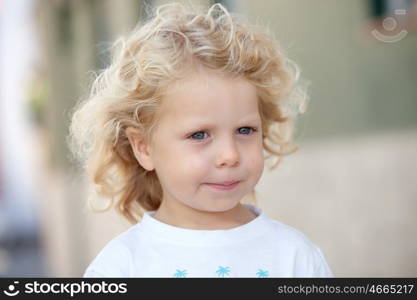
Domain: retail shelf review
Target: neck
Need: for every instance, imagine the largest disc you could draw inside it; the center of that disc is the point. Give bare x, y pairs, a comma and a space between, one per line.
190, 218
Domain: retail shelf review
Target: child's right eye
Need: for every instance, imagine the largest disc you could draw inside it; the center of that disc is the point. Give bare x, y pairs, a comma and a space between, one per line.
197, 134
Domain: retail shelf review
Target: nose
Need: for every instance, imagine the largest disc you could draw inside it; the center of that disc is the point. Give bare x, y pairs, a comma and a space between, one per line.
228, 154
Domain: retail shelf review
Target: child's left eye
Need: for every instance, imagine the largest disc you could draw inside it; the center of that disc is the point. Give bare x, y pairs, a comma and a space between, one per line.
250, 128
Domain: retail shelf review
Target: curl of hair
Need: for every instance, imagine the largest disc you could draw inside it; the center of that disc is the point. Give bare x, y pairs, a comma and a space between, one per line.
159, 51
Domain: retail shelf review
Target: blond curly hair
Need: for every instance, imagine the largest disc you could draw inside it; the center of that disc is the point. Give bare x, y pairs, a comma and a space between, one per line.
160, 50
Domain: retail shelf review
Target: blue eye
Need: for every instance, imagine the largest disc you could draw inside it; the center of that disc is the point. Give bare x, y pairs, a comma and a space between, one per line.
247, 129
198, 133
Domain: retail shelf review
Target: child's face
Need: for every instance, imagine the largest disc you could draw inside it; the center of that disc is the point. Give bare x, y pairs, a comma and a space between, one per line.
205, 136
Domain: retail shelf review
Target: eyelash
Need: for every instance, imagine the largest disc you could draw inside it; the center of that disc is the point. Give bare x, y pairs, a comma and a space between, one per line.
254, 129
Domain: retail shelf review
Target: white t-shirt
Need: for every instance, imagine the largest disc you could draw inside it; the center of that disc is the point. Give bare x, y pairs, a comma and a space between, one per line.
262, 247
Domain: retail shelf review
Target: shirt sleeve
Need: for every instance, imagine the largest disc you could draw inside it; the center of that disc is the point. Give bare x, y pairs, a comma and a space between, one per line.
321, 268
114, 260
92, 273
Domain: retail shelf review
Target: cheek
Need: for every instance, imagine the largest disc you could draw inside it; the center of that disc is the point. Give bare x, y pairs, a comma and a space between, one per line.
185, 163
195, 165
256, 162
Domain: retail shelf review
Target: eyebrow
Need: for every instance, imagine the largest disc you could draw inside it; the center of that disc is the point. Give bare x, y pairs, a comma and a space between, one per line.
198, 123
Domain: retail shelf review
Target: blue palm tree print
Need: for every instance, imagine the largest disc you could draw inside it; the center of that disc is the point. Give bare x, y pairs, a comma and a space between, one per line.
262, 273
223, 271
180, 273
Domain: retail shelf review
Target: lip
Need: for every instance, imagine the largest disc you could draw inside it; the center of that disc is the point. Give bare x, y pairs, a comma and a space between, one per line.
225, 186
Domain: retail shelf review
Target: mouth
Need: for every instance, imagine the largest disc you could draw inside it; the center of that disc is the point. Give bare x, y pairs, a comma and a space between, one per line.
224, 185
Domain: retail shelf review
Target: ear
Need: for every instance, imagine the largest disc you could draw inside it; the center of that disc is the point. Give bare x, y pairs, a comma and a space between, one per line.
140, 148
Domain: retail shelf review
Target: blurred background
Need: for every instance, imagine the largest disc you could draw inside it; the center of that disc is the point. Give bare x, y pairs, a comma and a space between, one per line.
351, 187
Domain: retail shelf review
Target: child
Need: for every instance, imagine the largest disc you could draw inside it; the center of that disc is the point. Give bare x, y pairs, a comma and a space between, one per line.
175, 130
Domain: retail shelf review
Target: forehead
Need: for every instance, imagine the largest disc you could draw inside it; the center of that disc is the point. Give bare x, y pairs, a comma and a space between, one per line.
211, 95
